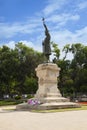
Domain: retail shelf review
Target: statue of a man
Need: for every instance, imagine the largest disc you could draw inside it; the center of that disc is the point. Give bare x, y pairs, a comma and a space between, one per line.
46, 42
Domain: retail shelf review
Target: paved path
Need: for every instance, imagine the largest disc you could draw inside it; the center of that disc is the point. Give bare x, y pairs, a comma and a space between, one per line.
71, 120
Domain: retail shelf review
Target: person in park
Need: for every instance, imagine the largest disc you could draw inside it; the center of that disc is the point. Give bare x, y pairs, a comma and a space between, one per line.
46, 42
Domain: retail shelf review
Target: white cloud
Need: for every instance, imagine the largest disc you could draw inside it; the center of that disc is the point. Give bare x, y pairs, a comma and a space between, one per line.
36, 47
67, 37
82, 5
60, 37
11, 44
33, 24
63, 18
9, 30
57, 20
53, 5
75, 17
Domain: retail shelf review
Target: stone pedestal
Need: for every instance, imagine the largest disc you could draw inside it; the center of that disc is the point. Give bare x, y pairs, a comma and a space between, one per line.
48, 94
47, 81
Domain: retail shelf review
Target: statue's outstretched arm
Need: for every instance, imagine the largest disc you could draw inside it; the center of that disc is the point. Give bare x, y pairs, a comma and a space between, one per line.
44, 24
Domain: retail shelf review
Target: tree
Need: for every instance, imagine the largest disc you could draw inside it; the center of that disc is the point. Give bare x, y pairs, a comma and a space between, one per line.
30, 85
73, 73
77, 64
56, 51
66, 49
15, 65
6, 68
29, 59
17, 69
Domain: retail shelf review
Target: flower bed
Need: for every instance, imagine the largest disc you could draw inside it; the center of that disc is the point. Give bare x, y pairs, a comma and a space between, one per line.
83, 103
33, 101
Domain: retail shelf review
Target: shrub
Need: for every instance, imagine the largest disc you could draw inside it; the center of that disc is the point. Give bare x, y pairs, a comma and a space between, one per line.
29, 96
17, 97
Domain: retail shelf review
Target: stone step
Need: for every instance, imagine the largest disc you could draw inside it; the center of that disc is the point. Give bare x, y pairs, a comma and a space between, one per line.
47, 106
55, 105
55, 99
53, 95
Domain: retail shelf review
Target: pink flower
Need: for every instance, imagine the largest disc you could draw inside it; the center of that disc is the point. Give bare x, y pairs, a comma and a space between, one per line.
33, 102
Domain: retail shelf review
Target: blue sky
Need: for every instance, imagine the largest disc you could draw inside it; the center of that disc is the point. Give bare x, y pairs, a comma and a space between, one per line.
20, 20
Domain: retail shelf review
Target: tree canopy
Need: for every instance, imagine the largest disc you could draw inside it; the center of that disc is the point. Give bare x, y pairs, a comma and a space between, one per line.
17, 69
73, 75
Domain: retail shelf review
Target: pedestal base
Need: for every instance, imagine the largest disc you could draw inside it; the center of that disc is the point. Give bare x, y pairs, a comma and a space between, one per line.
48, 94
47, 106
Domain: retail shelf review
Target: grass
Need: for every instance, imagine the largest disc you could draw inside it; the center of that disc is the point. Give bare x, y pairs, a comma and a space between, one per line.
83, 107
15, 102
9, 102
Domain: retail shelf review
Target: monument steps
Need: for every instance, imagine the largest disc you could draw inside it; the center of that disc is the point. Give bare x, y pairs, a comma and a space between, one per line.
53, 94
58, 105
55, 99
47, 106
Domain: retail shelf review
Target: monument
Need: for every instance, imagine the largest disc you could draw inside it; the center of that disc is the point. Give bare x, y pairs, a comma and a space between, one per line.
46, 42
48, 95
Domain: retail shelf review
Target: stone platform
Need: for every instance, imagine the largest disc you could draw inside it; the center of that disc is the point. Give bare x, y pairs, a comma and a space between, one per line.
47, 106
48, 94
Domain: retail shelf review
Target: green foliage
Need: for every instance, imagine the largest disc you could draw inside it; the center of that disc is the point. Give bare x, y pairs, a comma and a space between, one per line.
17, 97
17, 69
16, 66
66, 49
83, 88
9, 102
30, 85
55, 50
73, 74
30, 96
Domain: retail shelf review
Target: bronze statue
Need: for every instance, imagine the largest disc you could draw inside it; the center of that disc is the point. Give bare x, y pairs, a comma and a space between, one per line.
46, 42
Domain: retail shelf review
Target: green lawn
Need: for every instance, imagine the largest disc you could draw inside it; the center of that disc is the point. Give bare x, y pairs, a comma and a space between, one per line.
15, 102
9, 102
83, 107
